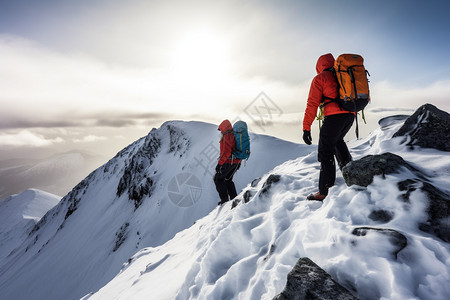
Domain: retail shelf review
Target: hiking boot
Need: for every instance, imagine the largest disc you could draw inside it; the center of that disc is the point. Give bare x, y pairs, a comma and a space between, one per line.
317, 196
222, 202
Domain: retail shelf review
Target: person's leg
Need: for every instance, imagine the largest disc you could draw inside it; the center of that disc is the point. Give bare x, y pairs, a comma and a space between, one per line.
327, 175
221, 187
342, 153
330, 133
224, 182
231, 188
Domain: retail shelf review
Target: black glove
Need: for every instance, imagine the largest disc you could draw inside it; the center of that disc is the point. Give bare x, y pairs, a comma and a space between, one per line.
218, 168
307, 137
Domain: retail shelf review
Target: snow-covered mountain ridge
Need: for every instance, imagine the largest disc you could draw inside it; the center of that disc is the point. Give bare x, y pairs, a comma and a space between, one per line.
246, 252
19, 214
149, 191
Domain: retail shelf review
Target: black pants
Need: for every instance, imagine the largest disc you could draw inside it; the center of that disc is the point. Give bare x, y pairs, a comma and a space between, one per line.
224, 181
331, 144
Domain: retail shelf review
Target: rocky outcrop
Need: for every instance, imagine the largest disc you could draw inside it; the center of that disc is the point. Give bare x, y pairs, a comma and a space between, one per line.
307, 281
428, 127
135, 180
362, 171
438, 210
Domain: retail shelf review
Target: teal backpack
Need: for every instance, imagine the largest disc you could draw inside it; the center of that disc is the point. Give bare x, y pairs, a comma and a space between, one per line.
242, 139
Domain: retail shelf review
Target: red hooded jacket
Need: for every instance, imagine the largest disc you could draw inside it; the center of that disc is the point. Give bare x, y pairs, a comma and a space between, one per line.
323, 84
227, 143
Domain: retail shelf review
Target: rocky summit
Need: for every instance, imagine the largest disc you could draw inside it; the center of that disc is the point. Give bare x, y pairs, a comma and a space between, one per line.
308, 281
428, 127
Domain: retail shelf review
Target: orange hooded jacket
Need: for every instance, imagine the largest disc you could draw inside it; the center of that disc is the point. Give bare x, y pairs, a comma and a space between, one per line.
227, 143
323, 84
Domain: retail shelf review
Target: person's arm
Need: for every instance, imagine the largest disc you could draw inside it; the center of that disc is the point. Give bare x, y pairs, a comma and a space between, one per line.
313, 102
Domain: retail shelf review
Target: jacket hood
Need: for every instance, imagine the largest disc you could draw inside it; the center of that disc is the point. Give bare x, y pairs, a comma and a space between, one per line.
324, 62
225, 126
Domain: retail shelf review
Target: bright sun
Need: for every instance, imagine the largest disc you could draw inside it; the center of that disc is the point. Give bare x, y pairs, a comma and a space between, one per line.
201, 55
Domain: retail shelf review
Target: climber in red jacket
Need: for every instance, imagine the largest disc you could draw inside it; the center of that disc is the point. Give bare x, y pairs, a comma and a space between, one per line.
227, 165
337, 122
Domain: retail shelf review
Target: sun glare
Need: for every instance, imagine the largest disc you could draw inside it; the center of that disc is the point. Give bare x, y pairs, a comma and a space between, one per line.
201, 55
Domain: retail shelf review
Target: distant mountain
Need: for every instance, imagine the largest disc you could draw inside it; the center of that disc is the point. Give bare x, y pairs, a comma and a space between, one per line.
57, 174
19, 214
151, 190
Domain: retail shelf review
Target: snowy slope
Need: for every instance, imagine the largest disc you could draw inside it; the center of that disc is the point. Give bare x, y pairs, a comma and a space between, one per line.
18, 215
246, 252
148, 192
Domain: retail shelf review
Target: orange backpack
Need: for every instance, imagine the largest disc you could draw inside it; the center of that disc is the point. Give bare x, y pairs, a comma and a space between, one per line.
353, 83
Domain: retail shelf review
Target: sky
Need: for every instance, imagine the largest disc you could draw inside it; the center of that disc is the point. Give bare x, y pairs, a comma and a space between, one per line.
96, 75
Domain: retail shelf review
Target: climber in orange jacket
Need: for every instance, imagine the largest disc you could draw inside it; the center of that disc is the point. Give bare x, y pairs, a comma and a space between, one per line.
337, 122
227, 165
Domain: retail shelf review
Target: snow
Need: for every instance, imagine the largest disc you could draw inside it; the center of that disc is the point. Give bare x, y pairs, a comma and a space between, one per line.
207, 252
246, 252
19, 213
93, 230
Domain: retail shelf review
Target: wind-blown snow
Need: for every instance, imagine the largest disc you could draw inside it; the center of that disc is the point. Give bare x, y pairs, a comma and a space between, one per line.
247, 252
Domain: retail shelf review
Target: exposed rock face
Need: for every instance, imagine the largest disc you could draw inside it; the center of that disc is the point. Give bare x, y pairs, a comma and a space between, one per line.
438, 211
307, 281
272, 179
428, 127
362, 171
135, 180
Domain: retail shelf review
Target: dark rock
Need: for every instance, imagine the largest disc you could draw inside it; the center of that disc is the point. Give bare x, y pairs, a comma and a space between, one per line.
235, 203
179, 143
247, 195
121, 236
255, 181
135, 179
273, 178
398, 240
438, 210
428, 127
382, 216
307, 281
362, 171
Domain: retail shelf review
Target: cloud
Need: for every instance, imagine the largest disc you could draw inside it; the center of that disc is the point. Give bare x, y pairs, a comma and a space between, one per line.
7, 122
390, 110
90, 138
27, 138
386, 96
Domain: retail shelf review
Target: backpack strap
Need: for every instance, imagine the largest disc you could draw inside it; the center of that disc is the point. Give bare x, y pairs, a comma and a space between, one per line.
330, 100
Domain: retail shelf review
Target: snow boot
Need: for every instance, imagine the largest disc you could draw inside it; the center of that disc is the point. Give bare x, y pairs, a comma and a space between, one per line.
222, 202
317, 196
